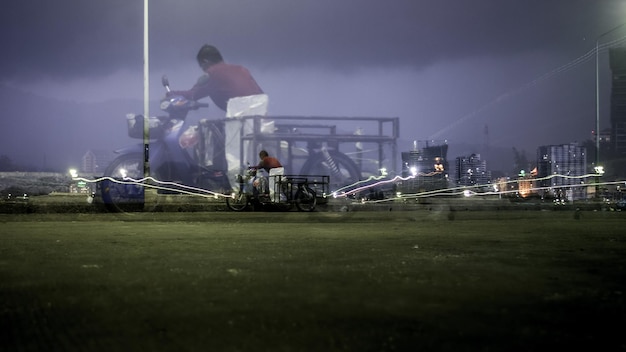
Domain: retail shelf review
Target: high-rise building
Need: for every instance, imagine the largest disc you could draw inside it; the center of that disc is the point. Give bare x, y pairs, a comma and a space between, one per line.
471, 171
427, 165
95, 161
560, 169
617, 58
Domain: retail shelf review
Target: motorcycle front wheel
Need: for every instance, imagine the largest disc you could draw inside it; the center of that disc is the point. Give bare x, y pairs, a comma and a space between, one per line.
118, 192
238, 201
306, 199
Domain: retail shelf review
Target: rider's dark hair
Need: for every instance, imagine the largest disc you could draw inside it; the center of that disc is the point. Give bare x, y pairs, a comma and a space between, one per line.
208, 55
263, 154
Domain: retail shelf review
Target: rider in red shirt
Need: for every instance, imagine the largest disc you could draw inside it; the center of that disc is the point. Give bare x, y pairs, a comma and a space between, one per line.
222, 81
267, 162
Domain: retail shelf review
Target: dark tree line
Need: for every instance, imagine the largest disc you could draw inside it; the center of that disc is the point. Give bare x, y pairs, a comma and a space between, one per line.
6, 164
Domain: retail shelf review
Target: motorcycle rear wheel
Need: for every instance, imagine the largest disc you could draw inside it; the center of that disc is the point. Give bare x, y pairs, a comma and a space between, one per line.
341, 169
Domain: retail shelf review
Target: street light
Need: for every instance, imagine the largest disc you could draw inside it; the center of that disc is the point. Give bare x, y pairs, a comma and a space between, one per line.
146, 94
598, 89
598, 103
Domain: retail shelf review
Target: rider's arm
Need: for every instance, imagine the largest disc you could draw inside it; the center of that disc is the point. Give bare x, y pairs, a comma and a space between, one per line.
201, 89
261, 166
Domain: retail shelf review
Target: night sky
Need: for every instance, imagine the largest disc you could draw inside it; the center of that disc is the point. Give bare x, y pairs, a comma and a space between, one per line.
447, 68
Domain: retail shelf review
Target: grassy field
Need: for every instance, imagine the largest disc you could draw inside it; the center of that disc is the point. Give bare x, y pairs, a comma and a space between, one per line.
354, 281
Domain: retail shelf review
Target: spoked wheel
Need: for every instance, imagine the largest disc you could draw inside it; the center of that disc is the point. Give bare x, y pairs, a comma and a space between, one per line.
237, 202
305, 199
341, 169
118, 194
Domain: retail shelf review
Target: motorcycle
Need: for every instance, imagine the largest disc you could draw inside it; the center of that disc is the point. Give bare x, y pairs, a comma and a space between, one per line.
173, 168
192, 159
282, 193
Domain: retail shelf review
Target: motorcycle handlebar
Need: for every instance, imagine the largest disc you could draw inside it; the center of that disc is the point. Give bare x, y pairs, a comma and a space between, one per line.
165, 82
195, 105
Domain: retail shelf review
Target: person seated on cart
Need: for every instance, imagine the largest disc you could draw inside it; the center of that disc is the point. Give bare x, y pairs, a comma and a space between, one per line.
273, 167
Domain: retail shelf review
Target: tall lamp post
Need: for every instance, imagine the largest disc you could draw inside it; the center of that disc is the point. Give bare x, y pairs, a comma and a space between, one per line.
598, 89
598, 169
146, 94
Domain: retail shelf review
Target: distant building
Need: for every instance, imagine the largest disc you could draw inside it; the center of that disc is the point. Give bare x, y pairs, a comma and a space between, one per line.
617, 57
96, 161
427, 164
559, 168
605, 136
471, 171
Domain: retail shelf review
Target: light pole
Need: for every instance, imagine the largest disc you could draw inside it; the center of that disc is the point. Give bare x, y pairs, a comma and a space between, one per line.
597, 166
146, 105
598, 89
146, 94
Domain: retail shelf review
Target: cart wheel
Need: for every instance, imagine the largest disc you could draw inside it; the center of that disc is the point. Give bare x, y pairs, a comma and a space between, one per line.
237, 202
305, 199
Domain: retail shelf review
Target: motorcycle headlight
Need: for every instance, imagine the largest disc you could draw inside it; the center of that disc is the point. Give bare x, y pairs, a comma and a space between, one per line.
164, 105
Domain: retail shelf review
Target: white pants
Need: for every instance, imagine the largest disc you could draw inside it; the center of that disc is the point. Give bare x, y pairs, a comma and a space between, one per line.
275, 196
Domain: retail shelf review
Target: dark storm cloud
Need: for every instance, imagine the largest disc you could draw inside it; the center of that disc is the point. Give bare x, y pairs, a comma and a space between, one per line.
74, 38
447, 68
68, 38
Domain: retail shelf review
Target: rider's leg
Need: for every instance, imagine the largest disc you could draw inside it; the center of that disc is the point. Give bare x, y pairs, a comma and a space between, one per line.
263, 189
275, 174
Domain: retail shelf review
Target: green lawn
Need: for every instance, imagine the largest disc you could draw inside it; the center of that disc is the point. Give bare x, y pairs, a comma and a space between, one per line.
354, 281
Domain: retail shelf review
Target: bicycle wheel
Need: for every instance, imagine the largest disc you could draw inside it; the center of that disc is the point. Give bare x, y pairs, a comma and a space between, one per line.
119, 195
306, 199
238, 201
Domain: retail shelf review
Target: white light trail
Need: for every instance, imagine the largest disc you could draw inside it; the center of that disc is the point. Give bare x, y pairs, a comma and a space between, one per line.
180, 188
475, 190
